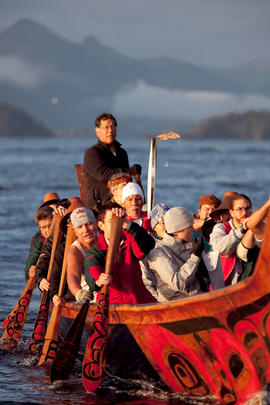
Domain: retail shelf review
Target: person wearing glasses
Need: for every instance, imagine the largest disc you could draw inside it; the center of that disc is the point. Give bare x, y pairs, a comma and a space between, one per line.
103, 160
237, 243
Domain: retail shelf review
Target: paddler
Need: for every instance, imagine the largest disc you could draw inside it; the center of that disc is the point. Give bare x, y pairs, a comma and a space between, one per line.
125, 283
208, 203
157, 220
132, 202
176, 261
239, 238
84, 225
43, 218
116, 184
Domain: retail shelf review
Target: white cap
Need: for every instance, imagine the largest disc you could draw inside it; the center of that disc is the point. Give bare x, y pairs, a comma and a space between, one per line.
177, 219
81, 216
131, 189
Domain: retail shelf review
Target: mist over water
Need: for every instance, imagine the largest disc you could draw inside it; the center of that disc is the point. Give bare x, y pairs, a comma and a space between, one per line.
192, 105
29, 168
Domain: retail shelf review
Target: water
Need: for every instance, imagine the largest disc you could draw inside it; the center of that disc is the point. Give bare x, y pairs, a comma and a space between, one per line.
29, 168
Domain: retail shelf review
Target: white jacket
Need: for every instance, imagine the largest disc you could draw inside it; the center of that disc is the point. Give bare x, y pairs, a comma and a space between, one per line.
170, 269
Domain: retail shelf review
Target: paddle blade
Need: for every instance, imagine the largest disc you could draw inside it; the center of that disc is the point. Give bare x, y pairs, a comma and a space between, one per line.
67, 352
94, 361
15, 320
39, 331
51, 338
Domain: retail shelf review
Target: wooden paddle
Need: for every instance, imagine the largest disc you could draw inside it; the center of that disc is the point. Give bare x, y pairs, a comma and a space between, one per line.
14, 322
52, 335
16, 318
94, 361
65, 357
38, 334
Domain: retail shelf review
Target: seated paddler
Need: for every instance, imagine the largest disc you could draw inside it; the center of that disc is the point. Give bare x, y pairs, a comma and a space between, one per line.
84, 225
176, 262
45, 252
125, 282
43, 218
132, 202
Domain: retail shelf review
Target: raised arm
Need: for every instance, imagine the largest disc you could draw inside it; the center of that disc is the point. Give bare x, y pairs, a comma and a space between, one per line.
256, 222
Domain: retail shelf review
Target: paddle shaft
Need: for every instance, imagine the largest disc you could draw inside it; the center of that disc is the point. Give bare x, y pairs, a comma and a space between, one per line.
115, 236
94, 361
57, 235
39, 330
52, 334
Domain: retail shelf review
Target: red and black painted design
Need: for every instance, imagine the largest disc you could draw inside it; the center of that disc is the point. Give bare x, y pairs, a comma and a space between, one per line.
16, 318
64, 361
95, 353
39, 331
204, 355
52, 350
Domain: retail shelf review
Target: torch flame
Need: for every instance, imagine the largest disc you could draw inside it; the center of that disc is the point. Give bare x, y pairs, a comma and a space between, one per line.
168, 135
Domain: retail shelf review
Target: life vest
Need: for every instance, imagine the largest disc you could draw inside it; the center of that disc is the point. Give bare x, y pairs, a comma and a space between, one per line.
228, 263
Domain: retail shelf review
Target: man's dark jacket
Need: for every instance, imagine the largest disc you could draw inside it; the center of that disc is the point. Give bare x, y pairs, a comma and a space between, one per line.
99, 166
34, 252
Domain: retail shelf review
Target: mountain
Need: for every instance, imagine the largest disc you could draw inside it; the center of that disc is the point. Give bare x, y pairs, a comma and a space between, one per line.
16, 123
246, 125
66, 85
253, 76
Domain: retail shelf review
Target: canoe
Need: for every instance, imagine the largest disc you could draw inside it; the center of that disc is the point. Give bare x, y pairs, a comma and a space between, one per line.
216, 343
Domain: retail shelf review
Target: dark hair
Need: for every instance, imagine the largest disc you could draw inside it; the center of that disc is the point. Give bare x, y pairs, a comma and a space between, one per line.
239, 197
119, 178
43, 213
106, 207
103, 117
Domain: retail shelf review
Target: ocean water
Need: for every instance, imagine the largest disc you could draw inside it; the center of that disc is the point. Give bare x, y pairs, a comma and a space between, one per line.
29, 168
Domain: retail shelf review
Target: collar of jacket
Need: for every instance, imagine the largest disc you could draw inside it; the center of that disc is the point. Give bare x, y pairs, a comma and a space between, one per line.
106, 146
102, 244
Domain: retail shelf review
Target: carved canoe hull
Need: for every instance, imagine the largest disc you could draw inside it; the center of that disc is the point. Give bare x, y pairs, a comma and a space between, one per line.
216, 343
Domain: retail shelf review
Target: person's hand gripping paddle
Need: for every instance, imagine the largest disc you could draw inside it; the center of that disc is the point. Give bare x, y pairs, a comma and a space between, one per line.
94, 361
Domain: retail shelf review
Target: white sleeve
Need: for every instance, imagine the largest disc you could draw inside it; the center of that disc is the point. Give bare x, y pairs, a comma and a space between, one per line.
225, 243
148, 277
175, 277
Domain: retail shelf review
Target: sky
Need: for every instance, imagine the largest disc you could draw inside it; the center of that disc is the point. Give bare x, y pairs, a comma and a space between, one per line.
216, 33
213, 33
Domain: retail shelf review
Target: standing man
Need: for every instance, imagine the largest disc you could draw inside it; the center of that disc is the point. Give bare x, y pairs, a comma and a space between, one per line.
103, 160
